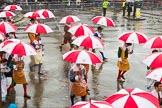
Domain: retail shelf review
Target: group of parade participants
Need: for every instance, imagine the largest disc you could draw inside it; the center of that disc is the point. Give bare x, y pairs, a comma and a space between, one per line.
78, 73
12, 65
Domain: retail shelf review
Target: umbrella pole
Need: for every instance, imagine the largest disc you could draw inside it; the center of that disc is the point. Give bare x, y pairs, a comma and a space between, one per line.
132, 46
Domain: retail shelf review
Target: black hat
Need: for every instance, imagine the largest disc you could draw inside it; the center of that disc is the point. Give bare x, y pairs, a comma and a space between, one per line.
129, 44
32, 19
99, 28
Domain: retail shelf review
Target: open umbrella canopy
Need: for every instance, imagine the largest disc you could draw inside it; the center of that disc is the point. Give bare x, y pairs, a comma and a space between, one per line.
7, 27
155, 74
2, 36
12, 7
88, 42
154, 42
133, 98
105, 21
38, 28
81, 30
82, 57
44, 14
69, 19
92, 104
19, 48
154, 60
32, 15
133, 37
6, 14
9, 41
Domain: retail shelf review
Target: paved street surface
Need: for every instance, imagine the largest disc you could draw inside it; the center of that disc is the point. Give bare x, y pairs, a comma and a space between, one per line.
52, 90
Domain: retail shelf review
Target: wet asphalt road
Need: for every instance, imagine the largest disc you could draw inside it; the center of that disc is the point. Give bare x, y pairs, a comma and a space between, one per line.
52, 90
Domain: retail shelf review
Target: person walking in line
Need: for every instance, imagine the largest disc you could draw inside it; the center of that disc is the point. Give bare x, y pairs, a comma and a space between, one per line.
157, 92
31, 35
38, 58
66, 44
150, 82
123, 63
105, 4
18, 75
77, 75
3, 69
124, 7
98, 34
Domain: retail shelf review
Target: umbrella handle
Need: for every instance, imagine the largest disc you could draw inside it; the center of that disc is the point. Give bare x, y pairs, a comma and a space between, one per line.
132, 48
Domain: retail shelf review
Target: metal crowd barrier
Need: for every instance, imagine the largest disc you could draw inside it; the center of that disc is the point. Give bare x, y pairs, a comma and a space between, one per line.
83, 5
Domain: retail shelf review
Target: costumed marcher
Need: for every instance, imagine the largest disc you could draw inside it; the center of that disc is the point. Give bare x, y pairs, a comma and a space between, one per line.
157, 92
123, 63
98, 34
38, 57
3, 69
66, 44
150, 82
18, 75
105, 4
32, 35
78, 82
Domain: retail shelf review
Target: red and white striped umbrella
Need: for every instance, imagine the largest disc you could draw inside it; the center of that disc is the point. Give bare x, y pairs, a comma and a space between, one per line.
12, 7
154, 42
105, 21
9, 41
92, 104
38, 28
6, 14
69, 19
153, 60
89, 42
133, 98
7, 27
19, 48
82, 57
155, 74
133, 37
32, 15
81, 30
44, 14
2, 36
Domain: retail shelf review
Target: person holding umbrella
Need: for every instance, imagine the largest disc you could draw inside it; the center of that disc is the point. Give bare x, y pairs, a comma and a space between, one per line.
123, 63
31, 35
77, 76
67, 39
38, 58
98, 34
18, 75
157, 91
3, 69
150, 82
